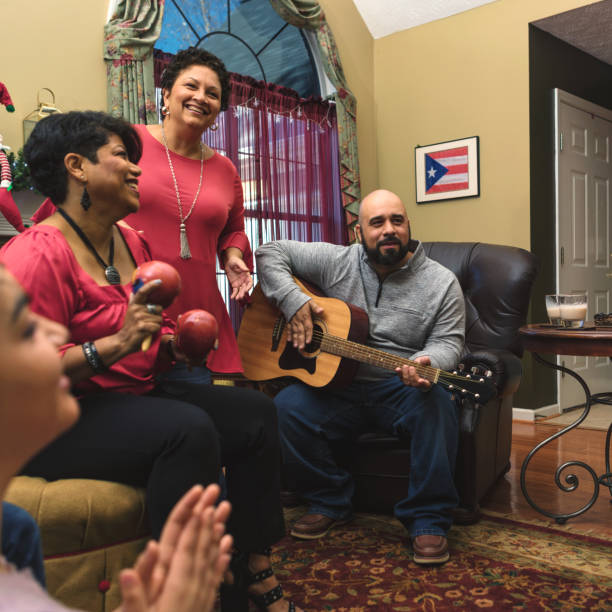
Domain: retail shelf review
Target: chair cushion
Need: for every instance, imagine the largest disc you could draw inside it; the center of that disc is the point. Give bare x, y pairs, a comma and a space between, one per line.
89, 580
79, 514
90, 531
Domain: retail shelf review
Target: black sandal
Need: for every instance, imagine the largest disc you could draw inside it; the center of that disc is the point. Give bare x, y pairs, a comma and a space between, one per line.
235, 597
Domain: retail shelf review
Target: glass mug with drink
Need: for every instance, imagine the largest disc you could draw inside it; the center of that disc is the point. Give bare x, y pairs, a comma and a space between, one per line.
567, 310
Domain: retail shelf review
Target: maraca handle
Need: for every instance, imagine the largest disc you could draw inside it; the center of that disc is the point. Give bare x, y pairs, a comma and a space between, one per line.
146, 343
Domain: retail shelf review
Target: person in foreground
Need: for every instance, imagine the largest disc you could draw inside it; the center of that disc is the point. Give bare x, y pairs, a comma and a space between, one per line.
180, 572
76, 266
416, 310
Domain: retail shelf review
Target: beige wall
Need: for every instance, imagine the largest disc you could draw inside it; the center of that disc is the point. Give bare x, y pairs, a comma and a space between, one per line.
467, 75
356, 48
51, 44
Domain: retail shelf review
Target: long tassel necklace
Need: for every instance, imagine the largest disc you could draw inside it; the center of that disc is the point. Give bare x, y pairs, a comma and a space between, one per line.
185, 251
111, 273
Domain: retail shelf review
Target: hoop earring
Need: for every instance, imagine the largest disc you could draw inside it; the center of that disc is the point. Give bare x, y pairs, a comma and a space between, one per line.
214, 127
85, 199
165, 111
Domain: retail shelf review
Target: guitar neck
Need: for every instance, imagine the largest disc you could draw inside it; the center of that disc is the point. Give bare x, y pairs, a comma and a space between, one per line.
365, 354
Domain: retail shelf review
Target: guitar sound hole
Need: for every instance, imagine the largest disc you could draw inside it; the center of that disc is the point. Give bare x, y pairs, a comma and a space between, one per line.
315, 344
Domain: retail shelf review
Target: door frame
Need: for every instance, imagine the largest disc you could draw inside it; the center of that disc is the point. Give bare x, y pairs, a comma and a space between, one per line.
563, 97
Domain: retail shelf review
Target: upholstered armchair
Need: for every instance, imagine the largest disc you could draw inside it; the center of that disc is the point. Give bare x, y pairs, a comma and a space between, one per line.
90, 531
496, 281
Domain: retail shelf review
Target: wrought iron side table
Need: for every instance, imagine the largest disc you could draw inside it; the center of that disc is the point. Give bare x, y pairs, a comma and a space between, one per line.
548, 340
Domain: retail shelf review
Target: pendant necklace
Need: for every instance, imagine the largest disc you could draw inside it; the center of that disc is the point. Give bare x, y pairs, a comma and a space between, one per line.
185, 252
111, 273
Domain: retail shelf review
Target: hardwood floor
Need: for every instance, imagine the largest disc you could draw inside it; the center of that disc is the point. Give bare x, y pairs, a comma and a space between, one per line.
585, 445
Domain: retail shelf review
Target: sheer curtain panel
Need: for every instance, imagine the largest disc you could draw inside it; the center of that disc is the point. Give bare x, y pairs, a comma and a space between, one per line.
307, 14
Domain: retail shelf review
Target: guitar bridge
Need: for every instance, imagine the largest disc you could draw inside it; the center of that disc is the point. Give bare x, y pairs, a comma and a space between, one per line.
277, 332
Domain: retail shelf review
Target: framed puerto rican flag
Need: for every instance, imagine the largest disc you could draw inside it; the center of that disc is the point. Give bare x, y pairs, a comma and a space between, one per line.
447, 170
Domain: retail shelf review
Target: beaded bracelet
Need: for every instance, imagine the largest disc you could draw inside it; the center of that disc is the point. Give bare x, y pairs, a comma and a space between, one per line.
93, 358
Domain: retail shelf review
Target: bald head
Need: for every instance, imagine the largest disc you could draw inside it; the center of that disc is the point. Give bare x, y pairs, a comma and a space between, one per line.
377, 202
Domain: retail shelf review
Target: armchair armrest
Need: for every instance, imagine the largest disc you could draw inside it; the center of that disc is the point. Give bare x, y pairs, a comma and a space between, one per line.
505, 367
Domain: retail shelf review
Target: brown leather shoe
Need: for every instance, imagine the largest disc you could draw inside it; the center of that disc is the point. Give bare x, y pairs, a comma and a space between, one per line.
429, 549
312, 526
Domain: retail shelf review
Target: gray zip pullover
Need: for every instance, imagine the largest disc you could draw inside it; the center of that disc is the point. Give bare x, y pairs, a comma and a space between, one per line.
416, 310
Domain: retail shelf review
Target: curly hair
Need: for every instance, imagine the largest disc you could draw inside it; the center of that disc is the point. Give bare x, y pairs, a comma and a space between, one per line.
82, 132
193, 56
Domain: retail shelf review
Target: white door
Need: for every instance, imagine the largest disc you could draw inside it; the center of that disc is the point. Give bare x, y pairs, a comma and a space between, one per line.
584, 170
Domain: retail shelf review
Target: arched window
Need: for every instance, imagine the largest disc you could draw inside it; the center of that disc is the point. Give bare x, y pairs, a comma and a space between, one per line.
251, 39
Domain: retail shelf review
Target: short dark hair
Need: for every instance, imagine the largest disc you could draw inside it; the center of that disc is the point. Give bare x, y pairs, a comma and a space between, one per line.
82, 132
193, 56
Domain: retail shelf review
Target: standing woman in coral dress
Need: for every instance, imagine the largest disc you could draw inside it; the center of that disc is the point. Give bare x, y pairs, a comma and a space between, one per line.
191, 200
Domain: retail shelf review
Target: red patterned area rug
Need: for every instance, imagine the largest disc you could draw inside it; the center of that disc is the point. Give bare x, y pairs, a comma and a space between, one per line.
497, 564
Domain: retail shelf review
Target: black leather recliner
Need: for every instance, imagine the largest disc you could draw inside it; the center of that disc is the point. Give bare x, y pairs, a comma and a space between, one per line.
496, 281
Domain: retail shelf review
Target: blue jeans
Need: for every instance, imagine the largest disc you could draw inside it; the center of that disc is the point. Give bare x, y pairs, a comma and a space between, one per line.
179, 373
21, 541
309, 419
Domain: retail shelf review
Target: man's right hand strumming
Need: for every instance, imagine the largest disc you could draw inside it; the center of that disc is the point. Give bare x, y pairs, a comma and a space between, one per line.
299, 331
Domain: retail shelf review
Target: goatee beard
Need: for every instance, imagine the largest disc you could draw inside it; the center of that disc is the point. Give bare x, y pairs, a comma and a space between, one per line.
386, 259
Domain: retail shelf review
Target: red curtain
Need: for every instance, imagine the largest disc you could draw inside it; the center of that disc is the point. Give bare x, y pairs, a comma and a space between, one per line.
160, 61
286, 152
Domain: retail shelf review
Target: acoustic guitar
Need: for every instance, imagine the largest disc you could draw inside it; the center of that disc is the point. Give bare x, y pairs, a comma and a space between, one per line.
336, 349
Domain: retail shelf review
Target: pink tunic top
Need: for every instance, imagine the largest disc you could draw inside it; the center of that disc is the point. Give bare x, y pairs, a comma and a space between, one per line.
19, 592
216, 223
59, 289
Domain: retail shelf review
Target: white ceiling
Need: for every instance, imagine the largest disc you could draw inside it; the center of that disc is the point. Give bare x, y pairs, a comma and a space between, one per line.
384, 17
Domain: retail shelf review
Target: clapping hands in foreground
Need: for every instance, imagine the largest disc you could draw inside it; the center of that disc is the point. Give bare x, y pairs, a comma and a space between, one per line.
184, 569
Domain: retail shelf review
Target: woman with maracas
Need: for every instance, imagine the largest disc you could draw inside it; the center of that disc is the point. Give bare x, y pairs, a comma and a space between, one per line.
76, 267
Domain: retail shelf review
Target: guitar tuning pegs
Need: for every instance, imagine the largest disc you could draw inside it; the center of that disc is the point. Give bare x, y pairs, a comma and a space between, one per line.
481, 380
455, 372
488, 373
461, 367
468, 376
476, 396
464, 391
474, 370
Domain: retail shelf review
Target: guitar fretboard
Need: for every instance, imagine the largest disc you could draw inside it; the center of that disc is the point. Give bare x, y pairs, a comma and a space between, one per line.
365, 354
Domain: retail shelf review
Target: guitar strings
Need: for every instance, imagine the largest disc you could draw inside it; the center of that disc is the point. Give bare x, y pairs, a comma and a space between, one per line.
384, 358
375, 356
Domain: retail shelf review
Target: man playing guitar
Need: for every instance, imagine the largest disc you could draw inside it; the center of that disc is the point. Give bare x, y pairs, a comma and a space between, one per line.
416, 310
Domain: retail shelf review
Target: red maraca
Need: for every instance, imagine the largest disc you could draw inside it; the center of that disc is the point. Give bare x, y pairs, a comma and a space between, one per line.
196, 334
164, 294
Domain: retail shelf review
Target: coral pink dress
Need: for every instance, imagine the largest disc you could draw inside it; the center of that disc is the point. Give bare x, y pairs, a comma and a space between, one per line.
216, 223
